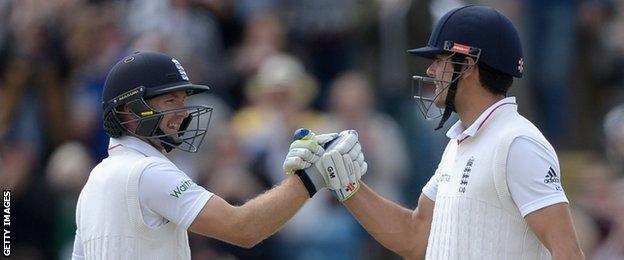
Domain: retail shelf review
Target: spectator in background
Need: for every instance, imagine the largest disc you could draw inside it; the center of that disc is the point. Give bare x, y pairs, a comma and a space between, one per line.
190, 32
603, 189
264, 36
612, 248
325, 32
601, 22
551, 44
599, 64
396, 17
33, 76
614, 138
231, 169
54, 55
596, 192
352, 106
66, 172
279, 97
92, 28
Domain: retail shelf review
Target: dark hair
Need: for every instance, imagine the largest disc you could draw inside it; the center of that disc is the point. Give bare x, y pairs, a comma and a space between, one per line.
496, 82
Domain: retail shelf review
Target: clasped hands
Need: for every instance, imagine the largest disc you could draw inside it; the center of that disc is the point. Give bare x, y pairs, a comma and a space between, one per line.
333, 161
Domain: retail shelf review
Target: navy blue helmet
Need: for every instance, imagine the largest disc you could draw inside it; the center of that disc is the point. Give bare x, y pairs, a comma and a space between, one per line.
144, 75
477, 27
479, 32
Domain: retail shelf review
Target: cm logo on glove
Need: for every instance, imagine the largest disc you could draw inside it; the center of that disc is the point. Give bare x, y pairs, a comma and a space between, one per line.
331, 172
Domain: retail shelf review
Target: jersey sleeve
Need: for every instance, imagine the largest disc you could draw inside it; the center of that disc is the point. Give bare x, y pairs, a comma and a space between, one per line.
533, 176
431, 188
167, 192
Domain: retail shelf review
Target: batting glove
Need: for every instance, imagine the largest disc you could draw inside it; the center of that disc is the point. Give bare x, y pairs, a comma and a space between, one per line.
339, 169
345, 162
306, 150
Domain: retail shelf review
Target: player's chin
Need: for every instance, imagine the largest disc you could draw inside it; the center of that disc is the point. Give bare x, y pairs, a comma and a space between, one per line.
169, 130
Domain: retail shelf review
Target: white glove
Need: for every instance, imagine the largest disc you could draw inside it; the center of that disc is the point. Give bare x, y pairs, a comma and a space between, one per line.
352, 155
305, 150
339, 169
345, 160
339, 165
342, 165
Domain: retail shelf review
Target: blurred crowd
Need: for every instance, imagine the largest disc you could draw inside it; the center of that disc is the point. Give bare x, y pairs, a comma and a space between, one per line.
277, 65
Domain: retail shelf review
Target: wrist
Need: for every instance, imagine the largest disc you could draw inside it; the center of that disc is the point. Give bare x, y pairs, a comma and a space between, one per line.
311, 180
345, 193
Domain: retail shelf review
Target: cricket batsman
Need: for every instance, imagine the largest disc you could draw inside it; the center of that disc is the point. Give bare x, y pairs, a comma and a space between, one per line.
496, 193
137, 204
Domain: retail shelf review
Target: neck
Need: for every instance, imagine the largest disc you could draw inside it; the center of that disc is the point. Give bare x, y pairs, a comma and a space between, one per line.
155, 144
469, 111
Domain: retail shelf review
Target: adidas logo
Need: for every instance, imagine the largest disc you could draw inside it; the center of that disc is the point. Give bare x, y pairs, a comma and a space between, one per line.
551, 176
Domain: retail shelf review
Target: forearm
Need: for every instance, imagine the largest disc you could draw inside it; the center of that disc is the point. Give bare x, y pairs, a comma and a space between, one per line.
553, 227
567, 249
390, 224
267, 213
564, 247
575, 254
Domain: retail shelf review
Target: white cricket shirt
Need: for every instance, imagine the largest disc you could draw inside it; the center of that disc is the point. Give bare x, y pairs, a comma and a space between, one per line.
165, 193
532, 170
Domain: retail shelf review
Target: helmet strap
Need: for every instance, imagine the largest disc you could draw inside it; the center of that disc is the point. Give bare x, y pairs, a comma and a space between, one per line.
449, 103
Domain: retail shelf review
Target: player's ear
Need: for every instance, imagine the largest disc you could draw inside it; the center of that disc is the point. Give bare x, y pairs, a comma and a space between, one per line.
124, 113
470, 61
124, 108
469, 67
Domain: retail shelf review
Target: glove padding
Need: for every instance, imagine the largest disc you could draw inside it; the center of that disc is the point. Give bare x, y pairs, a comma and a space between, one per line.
348, 166
306, 150
342, 165
339, 168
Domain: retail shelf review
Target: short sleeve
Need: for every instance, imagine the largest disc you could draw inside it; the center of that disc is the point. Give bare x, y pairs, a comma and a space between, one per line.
168, 194
533, 176
431, 188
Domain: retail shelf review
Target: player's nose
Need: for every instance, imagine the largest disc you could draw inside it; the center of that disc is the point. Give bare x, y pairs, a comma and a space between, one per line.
184, 113
431, 70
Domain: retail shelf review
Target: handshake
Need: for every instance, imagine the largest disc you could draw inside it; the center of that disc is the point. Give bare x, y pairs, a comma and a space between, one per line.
333, 161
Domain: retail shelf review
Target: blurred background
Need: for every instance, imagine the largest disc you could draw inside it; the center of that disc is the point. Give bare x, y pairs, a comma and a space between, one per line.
278, 65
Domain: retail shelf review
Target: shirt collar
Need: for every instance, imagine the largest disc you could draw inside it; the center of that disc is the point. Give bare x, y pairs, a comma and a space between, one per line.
135, 144
458, 132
